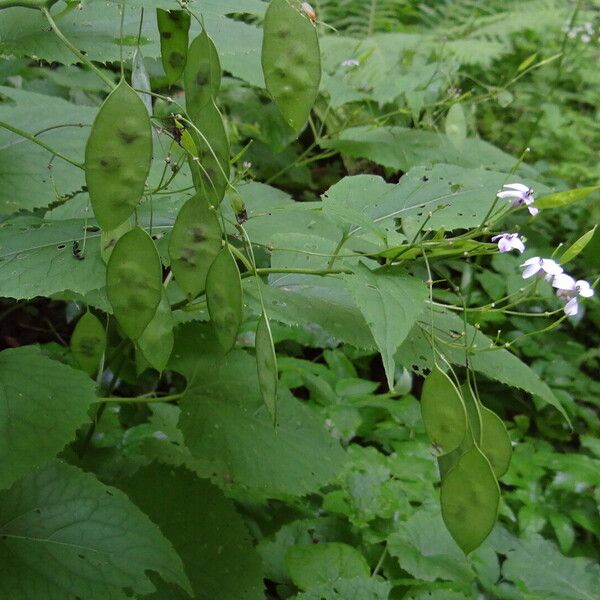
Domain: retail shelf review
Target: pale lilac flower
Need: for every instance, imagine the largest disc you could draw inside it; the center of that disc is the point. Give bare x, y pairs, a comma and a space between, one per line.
545, 267
509, 241
568, 290
520, 194
351, 62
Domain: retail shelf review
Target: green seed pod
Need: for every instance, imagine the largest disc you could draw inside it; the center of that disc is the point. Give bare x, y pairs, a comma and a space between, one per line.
473, 407
134, 281
174, 27
156, 343
495, 442
108, 239
443, 411
202, 75
194, 244
88, 343
118, 156
291, 60
266, 363
210, 168
469, 498
224, 298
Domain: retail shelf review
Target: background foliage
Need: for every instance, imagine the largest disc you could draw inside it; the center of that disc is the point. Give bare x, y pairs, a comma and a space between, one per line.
200, 496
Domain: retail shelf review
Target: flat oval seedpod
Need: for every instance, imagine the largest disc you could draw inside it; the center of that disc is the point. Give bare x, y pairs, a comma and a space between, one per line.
88, 343
291, 60
210, 167
174, 27
495, 442
473, 407
108, 239
194, 244
469, 498
202, 75
443, 411
134, 281
266, 363
224, 298
156, 343
118, 156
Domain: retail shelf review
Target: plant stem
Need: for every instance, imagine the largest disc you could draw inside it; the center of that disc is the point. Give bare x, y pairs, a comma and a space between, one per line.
32, 138
76, 52
139, 399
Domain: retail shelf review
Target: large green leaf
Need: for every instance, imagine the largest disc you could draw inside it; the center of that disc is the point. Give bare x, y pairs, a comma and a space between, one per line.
355, 588
65, 535
391, 302
94, 29
313, 564
425, 549
456, 197
36, 258
536, 565
402, 148
496, 362
226, 424
308, 301
42, 403
205, 530
27, 182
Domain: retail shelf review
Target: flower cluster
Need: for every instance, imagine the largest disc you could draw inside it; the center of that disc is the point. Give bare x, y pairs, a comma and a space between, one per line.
567, 289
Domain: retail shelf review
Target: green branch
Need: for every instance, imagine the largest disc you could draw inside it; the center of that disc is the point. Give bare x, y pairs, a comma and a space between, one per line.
32, 138
76, 52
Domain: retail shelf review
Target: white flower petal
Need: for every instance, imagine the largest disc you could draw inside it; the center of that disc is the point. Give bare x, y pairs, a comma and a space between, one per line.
530, 271
584, 288
532, 210
562, 281
508, 194
551, 267
497, 237
518, 244
532, 261
572, 307
504, 245
517, 186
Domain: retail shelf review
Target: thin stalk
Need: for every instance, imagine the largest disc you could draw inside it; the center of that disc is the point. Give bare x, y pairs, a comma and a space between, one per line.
32, 138
75, 51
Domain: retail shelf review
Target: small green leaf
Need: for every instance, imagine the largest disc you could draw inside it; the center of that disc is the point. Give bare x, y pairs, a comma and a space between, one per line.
67, 534
42, 404
134, 281
224, 298
313, 564
565, 198
577, 247
469, 498
443, 411
88, 342
391, 302
266, 362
